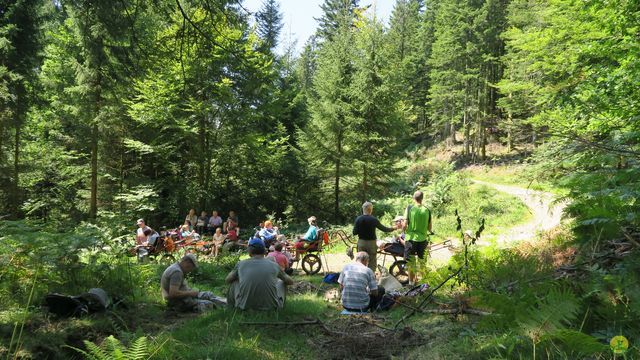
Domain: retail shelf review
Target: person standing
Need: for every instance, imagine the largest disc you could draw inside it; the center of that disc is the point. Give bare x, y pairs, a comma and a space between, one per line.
417, 226
365, 227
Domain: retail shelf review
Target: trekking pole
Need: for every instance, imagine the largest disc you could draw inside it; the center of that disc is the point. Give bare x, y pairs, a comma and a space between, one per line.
457, 273
428, 297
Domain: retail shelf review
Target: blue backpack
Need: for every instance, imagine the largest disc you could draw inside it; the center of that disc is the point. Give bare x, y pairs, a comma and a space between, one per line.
331, 278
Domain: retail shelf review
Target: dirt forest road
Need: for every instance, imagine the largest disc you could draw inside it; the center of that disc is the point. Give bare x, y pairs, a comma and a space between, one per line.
547, 214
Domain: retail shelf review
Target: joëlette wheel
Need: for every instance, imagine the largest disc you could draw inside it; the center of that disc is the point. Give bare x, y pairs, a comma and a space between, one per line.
311, 264
400, 271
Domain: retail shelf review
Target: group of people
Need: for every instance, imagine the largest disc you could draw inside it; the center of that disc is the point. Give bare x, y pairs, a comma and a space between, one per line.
260, 281
416, 226
257, 283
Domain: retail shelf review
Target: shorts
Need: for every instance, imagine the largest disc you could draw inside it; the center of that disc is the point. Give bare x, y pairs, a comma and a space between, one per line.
415, 247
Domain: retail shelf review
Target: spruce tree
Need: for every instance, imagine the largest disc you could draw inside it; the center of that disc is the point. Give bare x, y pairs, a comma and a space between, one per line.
324, 139
20, 44
269, 21
336, 14
377, 122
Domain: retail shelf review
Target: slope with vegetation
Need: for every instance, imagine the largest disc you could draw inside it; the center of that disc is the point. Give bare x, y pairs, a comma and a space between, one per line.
111, 111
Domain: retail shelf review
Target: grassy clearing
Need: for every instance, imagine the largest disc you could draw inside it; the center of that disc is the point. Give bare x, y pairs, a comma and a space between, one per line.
516, 174
473, 202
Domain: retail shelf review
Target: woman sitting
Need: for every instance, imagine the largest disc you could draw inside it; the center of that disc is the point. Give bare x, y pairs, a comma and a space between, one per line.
218, 240
306, 241
187, 233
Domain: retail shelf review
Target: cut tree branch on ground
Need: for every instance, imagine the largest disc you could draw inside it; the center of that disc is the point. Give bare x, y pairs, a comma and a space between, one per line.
282, 323
456, 311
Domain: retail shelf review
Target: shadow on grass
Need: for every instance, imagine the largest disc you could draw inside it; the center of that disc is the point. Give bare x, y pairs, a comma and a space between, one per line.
223, 334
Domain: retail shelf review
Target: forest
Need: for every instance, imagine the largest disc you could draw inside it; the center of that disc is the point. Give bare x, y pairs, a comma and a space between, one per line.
114, 110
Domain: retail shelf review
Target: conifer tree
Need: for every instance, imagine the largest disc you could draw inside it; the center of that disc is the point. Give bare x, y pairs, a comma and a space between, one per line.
408, 47
324, 139
377, 122
269, 20
20, 43
336, 14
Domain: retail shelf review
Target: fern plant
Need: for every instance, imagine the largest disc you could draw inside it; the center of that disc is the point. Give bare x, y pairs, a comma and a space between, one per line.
112, 349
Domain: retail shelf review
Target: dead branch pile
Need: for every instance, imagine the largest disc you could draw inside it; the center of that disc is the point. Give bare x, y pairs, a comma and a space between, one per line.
359, 337
302, 287
610, 253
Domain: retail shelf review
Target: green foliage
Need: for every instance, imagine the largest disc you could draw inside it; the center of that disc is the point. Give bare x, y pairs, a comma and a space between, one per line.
269, 22
112, 349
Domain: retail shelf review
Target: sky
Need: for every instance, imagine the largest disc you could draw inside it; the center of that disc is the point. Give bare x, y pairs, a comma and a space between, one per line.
298, 17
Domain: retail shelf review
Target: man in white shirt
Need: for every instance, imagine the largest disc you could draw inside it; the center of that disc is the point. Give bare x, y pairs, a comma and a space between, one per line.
360, 291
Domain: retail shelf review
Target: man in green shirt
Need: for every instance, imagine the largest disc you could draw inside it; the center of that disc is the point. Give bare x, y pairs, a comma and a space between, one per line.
417, 225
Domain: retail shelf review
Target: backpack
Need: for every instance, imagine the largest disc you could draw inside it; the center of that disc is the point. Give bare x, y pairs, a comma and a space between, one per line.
331, 278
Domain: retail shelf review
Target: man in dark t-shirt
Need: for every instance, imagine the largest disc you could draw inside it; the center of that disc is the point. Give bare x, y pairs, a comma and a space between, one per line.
365, 227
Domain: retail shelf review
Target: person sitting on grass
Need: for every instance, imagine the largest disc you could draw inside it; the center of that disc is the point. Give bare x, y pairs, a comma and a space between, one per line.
232, 241
280, 258
176, 292
215, 222
309, 237
218, 240
201, 223
360, 292
257, 283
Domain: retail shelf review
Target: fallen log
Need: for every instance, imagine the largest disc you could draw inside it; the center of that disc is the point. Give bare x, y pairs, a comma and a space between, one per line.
456, 311
281, 323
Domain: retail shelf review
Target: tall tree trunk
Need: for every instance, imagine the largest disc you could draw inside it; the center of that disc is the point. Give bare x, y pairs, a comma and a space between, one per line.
202, 141
365, 182
15, 191
93, 202
95, 135
336, 209
207, 170
2, 130
483, 141
510, 126
534, 138
467, 130
453, 133
121, 172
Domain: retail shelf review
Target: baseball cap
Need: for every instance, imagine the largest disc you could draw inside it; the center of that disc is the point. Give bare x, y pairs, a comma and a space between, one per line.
140, 221
190, 257
256, 242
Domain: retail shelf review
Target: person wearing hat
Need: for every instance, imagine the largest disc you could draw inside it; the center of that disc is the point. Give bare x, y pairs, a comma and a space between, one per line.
176, 292
257, 283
